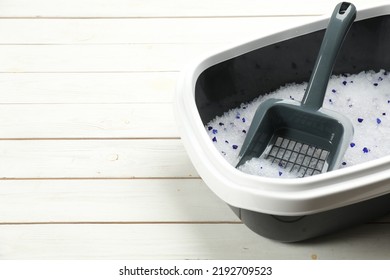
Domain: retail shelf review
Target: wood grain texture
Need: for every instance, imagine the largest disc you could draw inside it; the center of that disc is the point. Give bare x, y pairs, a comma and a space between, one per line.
142, 31
182, 241
137, 158
111, 201
100, 58
87, 121
156, 8
91, 88
91, 164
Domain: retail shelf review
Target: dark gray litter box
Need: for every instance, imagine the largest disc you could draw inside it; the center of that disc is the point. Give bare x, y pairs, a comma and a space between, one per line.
287, 210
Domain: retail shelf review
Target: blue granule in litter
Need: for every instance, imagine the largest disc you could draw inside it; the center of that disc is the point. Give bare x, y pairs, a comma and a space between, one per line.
280, 173
215, 131
375, 84
371, 124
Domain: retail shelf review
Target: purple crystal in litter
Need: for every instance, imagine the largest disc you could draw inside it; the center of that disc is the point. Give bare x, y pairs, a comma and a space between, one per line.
215, 131
360, 120
352, 144
378, 120
210, 128
215, 139
365, 150
344, 83
234, 147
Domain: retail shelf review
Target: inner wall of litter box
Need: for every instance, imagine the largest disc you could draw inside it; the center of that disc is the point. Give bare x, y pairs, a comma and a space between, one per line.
241, 79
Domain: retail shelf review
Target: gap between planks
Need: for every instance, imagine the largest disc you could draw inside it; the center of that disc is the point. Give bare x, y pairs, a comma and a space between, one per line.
124, 223
96, 178
88, 138
157, 8
157, 17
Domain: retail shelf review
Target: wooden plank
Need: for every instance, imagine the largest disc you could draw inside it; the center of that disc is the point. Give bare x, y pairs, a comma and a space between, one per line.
142, 31
156, 8
97, 88
87, 121
94, 159
182, 241
123, 201
99, 58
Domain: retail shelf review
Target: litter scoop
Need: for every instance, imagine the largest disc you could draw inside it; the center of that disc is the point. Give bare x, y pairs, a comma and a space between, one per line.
302, 137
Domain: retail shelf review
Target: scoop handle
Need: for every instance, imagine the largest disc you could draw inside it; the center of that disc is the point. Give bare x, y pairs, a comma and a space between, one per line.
342, 18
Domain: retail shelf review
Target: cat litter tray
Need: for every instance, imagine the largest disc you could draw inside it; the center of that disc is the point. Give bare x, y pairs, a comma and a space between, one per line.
291, 209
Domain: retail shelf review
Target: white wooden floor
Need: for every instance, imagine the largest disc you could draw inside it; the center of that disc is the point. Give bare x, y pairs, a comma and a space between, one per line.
91, 163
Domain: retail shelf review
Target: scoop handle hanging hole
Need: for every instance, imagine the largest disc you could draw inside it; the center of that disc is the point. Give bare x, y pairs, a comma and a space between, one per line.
343, 8
335, 33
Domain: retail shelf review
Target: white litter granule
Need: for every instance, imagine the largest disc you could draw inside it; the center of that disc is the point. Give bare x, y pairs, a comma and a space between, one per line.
364, 98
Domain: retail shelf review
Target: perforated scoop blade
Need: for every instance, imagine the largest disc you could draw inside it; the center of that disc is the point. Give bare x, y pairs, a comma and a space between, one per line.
297, 157
303, 137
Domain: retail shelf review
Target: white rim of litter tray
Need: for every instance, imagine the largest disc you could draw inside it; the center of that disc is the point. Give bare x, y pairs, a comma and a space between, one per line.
290, 197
